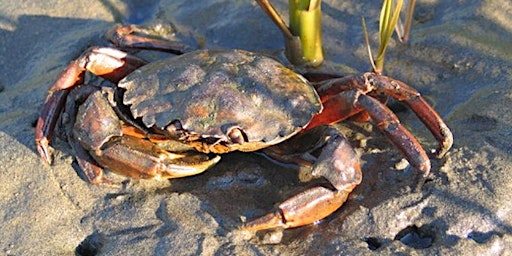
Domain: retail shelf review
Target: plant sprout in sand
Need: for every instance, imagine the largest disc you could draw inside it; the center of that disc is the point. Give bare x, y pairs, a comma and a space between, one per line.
303, 38
387, 23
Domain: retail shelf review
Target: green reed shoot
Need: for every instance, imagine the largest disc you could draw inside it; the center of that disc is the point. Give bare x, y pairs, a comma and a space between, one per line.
303, 39
387, 23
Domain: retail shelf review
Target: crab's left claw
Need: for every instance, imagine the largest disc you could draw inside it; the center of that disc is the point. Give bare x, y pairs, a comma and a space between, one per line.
339, 164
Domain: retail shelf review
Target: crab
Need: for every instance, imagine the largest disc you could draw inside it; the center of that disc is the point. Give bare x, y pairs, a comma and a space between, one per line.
173, 118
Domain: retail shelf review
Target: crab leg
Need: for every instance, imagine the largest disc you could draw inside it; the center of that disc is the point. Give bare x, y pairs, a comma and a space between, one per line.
109, 63
373, 83
389, 124
402, 92
125, 36
53, 106
346, 97
347, 103
339, 164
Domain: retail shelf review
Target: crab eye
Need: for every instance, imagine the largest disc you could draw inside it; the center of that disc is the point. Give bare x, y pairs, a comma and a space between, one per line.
236, 135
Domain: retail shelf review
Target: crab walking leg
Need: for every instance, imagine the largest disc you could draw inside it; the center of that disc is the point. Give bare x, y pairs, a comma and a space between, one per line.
125, 36
53, 106
389, 124
377, 84
350, 102
339, 164
434, 123
338, 96
404, 93
109, 63
336, 108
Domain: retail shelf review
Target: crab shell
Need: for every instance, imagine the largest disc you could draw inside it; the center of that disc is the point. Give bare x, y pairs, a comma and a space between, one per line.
204, 96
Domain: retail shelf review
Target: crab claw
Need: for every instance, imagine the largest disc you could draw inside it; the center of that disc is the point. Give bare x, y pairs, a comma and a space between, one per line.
305, 208
338, 163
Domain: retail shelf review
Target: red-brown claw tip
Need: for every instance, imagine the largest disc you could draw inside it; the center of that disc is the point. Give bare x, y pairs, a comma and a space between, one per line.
447, 142
44, 150
269, 221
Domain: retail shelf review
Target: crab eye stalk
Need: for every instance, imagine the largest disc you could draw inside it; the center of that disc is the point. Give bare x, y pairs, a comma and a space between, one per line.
236, 135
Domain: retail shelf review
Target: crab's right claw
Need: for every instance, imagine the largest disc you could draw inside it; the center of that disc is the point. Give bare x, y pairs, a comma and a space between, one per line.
339, 164
305, 208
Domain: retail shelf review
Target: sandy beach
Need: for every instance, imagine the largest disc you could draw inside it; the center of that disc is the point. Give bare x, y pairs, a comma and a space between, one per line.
459, 58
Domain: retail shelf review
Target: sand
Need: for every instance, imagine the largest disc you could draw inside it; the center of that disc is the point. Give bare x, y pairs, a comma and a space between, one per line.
459, 58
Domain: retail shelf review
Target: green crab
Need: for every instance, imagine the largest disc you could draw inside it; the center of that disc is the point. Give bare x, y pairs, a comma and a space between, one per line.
173, 118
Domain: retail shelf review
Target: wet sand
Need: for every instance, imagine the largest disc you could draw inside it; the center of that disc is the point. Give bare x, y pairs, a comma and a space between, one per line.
459, 58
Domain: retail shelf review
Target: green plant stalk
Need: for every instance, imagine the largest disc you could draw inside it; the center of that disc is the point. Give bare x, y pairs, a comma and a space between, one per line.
293, 48
387, 22
306, 22
294, 9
